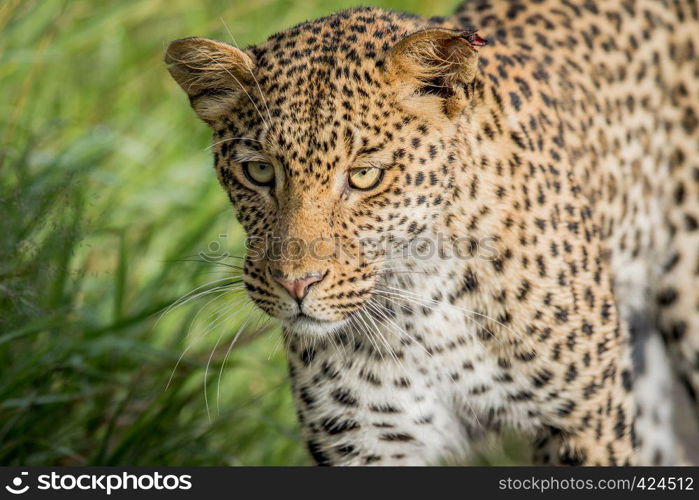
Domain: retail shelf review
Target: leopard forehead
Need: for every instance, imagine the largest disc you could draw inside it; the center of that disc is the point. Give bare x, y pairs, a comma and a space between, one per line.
320, 89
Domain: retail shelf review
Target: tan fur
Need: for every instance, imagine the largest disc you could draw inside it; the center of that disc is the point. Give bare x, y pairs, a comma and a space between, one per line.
567, 148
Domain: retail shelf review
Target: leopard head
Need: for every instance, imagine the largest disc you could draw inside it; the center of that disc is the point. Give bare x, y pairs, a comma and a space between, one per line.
334, 142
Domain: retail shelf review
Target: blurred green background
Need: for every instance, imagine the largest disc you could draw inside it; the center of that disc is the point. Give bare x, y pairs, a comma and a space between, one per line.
108, 202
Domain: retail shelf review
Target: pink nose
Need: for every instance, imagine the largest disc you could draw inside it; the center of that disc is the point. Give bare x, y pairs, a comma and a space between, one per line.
298, 288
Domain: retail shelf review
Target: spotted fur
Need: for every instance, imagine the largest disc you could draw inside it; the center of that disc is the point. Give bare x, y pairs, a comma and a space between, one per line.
561, 160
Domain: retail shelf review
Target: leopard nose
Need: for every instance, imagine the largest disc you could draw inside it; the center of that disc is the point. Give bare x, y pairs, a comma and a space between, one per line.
298, 287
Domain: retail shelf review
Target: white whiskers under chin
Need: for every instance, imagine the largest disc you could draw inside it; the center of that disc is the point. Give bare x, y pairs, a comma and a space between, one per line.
305, 325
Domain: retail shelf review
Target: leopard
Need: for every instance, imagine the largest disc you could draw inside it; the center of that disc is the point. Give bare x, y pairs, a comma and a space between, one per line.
470, 225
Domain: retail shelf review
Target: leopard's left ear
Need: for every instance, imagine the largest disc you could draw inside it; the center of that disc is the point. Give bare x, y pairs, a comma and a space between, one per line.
435, 66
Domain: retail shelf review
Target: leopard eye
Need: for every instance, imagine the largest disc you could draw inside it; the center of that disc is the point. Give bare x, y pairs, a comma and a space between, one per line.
365, 178
259, 173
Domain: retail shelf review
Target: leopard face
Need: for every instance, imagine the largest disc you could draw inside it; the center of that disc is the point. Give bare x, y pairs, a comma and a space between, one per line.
332, 150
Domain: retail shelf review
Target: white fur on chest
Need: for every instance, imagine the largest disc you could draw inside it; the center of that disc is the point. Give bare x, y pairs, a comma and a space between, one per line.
420, 372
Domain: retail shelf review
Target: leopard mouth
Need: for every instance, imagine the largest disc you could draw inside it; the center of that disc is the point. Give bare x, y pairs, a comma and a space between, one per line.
302, 324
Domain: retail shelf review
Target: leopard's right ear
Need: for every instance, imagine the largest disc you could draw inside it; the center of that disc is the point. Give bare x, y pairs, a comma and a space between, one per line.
213, 74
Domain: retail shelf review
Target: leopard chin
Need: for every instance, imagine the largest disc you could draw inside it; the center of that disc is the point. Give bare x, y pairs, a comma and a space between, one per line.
305, 325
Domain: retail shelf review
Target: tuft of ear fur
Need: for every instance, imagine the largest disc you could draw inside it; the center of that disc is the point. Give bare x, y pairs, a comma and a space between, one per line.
212, 73
435, 65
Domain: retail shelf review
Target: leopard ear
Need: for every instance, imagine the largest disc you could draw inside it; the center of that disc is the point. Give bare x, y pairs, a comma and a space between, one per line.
435, 65
213, 74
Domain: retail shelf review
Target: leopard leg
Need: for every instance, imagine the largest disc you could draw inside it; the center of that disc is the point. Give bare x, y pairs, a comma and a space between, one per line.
653, 394
678, 299
678, 289
602, 433
583, 448
652, 376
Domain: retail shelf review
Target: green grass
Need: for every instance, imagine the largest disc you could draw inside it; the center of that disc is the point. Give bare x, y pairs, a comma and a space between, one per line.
107, 196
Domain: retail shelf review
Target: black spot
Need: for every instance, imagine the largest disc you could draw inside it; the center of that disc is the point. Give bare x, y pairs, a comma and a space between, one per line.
317, 453
542, 378
572, 457
329, 370
627, 380
384, 408
567, 408
515, 100
620, 426
308, 355
678, 330
344, 397
667, 297
345, 449
402, 383
335, 425
521, 396
396, 436
305, 396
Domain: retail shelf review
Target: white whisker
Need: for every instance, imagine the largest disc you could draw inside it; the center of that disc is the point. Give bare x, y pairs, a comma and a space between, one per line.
225, 358
191, 343
187, 296
465, 311
473, 411
239, 84
264, 100
231, 139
